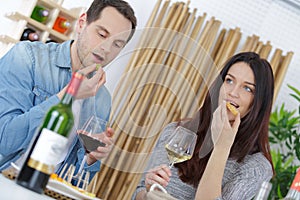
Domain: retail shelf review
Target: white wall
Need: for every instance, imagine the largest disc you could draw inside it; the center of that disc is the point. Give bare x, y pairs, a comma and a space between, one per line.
272, 20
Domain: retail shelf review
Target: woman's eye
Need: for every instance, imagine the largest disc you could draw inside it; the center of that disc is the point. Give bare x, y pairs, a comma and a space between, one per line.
228, 80
248, 89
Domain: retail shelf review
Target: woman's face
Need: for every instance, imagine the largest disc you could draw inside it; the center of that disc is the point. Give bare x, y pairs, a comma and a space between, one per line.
238, 88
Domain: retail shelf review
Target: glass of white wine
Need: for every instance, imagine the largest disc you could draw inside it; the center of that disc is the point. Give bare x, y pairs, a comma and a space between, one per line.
180, 146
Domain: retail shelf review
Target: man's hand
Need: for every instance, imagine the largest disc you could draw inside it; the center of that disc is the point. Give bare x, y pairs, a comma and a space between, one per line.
102, 152
89, 86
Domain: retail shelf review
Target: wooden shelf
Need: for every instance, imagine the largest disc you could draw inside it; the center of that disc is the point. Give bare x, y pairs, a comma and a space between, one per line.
45, 30
18, 16
51, 4
7, 39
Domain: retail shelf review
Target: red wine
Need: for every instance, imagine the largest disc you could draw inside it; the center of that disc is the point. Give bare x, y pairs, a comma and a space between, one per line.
50, 141
90, 144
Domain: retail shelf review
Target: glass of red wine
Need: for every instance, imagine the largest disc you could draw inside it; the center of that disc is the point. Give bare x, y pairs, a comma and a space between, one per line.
94, 125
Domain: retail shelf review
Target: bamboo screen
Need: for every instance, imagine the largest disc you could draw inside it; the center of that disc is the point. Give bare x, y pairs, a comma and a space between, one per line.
178, 55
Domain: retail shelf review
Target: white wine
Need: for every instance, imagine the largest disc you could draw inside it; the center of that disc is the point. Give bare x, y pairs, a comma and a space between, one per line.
177, 156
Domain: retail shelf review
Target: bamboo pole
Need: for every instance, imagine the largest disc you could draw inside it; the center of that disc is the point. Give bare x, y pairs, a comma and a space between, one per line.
251, 43
185, 68
281, 72
103, 169
133, 62
247, 45
158, 57
204, 61
142, 97
228, 47
265, 51
275, 61
218, 43
143, 77
145, 36
258, 48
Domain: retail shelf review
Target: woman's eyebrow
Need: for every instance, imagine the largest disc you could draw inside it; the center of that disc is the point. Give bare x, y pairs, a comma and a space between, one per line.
249, 83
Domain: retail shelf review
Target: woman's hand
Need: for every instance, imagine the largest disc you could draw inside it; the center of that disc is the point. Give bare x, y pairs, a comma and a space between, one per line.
224, 131
160, 175
101, 152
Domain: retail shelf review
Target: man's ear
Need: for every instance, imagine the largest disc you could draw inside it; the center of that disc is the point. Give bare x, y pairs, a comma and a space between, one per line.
81, 22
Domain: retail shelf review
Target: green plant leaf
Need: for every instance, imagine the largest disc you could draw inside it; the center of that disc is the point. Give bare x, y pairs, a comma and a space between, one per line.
295, 90
283, 133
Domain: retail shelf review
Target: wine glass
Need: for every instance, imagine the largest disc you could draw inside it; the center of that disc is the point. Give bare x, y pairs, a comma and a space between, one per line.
94, 125
180, 146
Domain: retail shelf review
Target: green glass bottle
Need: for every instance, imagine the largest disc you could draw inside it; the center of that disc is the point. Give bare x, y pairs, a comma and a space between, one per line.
40, 14
50, 141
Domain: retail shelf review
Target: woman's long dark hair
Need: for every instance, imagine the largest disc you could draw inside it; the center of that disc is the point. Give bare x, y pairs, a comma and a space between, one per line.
252, 135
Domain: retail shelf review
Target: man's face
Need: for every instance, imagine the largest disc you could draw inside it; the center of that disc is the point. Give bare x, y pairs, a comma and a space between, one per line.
102, 40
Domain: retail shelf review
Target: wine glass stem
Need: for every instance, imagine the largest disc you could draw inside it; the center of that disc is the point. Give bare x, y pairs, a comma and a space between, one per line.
82, 164
171, 165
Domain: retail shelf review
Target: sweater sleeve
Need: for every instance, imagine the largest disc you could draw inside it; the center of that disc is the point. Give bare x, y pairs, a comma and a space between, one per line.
247, 178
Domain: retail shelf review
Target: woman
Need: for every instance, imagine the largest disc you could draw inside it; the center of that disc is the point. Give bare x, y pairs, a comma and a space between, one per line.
235, 156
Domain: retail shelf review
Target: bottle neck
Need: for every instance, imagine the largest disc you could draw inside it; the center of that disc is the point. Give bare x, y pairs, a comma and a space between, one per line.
67, 99
33, 36
72, 88
65, 24
43, 13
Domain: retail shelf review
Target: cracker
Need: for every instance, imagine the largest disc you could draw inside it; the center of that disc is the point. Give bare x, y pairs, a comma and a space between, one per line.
232, 109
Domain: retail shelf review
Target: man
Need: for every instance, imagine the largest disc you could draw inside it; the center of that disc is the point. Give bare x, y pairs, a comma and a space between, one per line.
34, 77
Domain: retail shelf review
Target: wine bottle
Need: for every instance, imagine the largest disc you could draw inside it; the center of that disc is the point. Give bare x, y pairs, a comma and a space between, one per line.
50, 141
40, 14
29, 34
294, 191
264, 191
61, 24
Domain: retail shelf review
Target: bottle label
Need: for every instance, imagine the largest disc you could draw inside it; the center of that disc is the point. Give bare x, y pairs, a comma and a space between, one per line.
46, 153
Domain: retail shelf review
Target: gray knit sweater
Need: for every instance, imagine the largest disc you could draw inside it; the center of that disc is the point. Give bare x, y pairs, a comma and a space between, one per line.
240, 180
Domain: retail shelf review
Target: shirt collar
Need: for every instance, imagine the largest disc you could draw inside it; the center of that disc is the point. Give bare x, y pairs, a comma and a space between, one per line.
63, 55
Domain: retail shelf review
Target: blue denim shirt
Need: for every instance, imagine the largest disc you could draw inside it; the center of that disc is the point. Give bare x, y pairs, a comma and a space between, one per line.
31, 74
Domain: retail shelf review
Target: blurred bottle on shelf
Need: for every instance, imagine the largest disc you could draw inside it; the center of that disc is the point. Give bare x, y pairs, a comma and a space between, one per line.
29, 34
294, 191
264, 191
40, 14
61, 24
